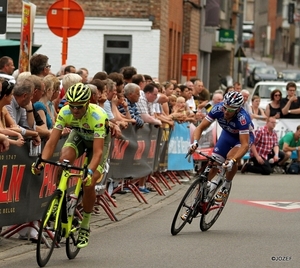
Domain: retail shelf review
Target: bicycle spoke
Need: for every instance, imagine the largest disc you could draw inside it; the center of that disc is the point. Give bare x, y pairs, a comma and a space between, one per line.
48, 232
186, 210
213, 212
71, 242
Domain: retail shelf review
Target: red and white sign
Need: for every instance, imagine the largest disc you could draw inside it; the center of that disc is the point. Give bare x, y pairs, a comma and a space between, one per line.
286, 206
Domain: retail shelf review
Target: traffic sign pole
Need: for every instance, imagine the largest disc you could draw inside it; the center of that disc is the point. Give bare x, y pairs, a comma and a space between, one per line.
65, 18
188, 69
64, 53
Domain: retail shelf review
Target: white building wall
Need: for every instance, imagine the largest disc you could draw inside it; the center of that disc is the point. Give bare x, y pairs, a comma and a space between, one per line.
86, 49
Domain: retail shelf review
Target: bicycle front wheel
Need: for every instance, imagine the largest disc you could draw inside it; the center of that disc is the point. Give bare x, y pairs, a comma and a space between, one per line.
49, 231
187, 210
213, 211
71, 243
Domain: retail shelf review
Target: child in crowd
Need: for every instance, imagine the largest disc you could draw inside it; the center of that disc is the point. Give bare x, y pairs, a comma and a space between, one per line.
181, 107
172, 103
181, 110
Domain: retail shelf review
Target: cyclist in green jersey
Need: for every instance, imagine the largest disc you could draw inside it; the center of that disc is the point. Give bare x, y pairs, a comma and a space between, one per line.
90, 128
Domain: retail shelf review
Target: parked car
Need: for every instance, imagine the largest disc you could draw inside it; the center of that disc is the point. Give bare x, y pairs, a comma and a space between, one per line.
248, 64
263, 89
246, 37
289, 75
262, 73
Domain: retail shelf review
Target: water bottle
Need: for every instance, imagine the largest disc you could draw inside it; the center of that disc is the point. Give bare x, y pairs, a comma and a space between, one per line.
71, 204
208, 185
213, 185
110, 186
99, 188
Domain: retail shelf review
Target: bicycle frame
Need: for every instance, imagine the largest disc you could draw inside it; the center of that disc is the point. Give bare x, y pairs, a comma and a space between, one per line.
204, 175
197, 199
62, 188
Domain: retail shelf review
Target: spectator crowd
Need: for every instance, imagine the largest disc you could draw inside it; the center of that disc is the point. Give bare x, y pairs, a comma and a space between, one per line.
30, 101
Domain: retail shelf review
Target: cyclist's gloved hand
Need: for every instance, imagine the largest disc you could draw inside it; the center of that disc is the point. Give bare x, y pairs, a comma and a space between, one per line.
229, 164
191, 149
37, 170
193, 146
88, 179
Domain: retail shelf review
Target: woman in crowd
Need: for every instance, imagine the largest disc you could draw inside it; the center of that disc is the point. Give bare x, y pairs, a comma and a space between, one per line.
56, 90
273, 108
6, 121
257, 112
122, 105
42, 107
161, 111
229, 89
176, 90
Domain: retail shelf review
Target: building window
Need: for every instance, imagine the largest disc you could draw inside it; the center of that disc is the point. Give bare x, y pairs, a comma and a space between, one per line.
16, 36
117, 52
13, 36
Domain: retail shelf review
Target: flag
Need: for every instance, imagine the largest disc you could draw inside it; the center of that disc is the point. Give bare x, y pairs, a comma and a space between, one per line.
28, 16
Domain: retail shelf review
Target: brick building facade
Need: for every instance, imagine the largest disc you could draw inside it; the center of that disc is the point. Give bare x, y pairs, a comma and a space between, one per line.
160, 38
157, 33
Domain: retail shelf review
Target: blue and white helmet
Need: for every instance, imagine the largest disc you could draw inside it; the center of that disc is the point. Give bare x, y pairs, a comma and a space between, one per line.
234, 99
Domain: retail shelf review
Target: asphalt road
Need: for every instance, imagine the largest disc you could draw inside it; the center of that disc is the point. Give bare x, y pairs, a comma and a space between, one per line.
259, 227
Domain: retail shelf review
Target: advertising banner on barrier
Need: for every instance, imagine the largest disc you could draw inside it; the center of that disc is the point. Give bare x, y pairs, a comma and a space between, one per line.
133, 154
178, 146
282, 127
162, 150
22, 194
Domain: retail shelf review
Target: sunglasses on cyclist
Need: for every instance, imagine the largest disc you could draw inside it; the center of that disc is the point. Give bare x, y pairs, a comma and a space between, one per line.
77, 107
230, 110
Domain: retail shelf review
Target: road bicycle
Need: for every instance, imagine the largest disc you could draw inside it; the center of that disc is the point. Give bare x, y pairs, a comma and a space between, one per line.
61, 217
199, 200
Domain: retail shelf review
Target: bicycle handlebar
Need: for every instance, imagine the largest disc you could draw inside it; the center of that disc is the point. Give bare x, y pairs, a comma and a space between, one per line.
65, 165
209, 157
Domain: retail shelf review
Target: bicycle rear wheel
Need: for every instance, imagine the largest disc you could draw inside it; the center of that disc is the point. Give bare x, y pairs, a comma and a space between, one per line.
187, 206
49, 232
213, 211
71, 242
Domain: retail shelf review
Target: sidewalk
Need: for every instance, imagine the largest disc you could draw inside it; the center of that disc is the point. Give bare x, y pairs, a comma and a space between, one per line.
127, 206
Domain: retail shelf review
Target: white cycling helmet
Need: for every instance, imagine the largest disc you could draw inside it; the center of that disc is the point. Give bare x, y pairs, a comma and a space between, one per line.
234, 99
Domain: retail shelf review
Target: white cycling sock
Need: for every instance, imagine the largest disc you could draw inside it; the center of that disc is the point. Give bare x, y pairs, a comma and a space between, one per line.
227, 184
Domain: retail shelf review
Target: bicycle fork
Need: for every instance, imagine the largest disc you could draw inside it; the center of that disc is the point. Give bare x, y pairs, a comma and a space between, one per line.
68, 220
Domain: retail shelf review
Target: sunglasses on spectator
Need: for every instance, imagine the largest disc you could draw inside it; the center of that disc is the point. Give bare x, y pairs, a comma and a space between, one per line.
276, 95
77, 107
230, 110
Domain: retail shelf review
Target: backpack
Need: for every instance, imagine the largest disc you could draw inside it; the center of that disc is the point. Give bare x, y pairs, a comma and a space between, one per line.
293, 168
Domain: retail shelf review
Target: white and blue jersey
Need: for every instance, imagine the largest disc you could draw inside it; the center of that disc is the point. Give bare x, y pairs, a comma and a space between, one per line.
240, 124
